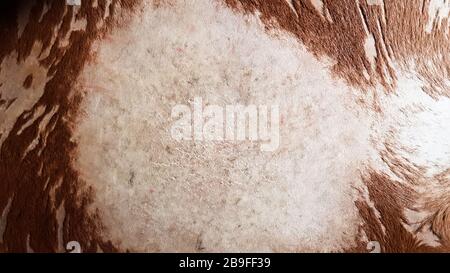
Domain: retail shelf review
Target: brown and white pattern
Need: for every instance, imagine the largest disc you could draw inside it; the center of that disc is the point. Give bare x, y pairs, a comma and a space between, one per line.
86, 153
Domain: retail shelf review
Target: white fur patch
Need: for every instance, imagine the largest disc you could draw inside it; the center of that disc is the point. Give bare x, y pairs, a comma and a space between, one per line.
158, 194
